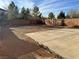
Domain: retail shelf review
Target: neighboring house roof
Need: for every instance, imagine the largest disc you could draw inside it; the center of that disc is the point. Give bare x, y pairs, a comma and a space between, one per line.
3, 10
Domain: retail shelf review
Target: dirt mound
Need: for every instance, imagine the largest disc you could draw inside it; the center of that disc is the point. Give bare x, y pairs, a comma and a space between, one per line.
72, 22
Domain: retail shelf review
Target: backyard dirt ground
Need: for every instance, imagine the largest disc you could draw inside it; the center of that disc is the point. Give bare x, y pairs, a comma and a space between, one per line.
14, 44
64, 42
34, 51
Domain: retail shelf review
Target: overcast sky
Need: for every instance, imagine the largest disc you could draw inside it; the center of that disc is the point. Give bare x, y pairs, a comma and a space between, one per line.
45, 6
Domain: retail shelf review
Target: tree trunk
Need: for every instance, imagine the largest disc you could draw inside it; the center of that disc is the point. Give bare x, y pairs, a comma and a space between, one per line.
62, 22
